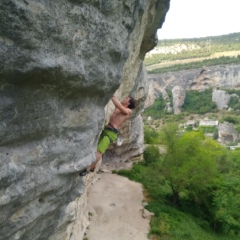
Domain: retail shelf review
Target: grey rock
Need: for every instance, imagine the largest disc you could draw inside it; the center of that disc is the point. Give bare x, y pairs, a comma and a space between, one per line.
227, 133
169, 108
221, 76
178, 94
60, 62
221, 98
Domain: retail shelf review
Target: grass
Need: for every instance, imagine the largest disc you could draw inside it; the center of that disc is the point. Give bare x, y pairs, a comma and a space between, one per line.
170, 223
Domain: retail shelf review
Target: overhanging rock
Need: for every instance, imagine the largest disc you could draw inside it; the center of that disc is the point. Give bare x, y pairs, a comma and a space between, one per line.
60, 62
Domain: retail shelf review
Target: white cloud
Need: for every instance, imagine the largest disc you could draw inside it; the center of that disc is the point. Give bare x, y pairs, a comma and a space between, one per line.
200, 18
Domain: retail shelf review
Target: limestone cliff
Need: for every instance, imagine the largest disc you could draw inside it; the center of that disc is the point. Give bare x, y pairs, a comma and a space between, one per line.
221, 76
60, 62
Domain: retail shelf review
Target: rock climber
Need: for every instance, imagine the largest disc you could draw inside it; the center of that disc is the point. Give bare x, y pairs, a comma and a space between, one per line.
109, 134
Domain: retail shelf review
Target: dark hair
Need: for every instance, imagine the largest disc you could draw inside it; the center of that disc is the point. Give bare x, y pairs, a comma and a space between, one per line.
131, 103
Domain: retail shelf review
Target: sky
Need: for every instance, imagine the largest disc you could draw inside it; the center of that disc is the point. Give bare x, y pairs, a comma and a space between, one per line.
200, 18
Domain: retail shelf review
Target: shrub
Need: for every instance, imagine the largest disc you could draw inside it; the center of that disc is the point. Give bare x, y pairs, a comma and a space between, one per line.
231, 119
151, 136
151, 154
199, 102
157, 109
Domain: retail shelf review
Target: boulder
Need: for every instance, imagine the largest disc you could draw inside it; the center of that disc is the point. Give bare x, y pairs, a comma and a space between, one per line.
221, 98
227, 133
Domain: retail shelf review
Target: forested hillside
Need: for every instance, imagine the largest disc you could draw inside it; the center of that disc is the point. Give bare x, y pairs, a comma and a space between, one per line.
169, 54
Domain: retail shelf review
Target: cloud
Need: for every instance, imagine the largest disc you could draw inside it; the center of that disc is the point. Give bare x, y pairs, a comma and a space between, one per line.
200, 18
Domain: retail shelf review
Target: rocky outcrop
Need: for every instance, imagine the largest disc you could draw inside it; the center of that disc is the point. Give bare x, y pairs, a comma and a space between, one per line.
60, 62
150, 97
178, 94
227, 133
222, 76
221, 98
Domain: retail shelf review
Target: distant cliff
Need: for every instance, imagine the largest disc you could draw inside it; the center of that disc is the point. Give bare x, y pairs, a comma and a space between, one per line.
221, 76
60, 63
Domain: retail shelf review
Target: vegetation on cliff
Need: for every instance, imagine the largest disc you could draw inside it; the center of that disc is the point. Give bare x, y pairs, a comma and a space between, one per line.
196, 102
198, 64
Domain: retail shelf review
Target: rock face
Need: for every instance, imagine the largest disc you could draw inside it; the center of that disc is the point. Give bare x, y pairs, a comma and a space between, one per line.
150, 97
60, 62
221, 98
227, 76
178, 94
227, 133
223, 76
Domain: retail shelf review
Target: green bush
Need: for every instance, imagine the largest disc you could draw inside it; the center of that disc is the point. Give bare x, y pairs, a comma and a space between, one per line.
151, 136
199, 102
231, 119
237, 127
157, 109
208, 129
233, 91
151, 154
206, 209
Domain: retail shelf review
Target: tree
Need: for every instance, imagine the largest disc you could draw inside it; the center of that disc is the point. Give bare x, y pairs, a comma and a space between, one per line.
151, 136
190, 164
151, 154
226, 204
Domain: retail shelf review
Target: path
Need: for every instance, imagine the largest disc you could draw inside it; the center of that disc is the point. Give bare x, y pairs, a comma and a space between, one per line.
115, 207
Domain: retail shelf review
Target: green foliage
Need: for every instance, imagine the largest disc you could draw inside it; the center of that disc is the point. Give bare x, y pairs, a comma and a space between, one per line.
199, 102
151, 154
235, 101
233, 91
151, 136
193, 220
204, 47
190, 165
200, 64
209, 129
159, 58
157, 109
205, 177
196, 173
226, 205
169, 136
237, 127
170, 223
231, 119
